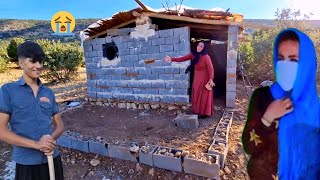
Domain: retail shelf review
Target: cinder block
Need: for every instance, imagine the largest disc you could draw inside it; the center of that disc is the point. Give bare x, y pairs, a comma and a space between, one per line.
172, 40
122, 45
158, 84
138, 50
139, 91
181, 47
167, 98
117, 39
146, 157
129, 64
157, 70
180, 91
100, 41
87, 48
64, 141
155, 36
132, 58
181, 77
93, 54
107, 96
141, 77
124, 31
158, 42
98, 148
185, 38
183, 53
144, 57
145, 84
108, 39
129, 97
166, 91
166, 48
159, 56
138, 64
127, 39
172, 70
167, 162
81, 145
145, 43
123, 52
152, 91
92, 94
121, 152
152, 76
172, 54
181, 99
201, 168
221, 151
187, 121
115, 77
145, 71
133, 44
133, 83
88, 42
231, 87
166, 76
112, 32
153, 49
172, 84
99, 95
230, 103
181, 31
166, 33
184, 84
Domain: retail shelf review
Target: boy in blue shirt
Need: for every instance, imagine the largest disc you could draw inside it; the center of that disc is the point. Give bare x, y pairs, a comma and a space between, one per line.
29, 107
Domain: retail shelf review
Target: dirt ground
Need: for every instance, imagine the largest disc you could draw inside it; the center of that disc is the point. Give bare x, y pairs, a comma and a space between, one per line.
143, 126
157, 129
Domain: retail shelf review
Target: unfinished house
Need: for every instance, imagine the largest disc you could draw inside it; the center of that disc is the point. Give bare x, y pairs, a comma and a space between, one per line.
124, 54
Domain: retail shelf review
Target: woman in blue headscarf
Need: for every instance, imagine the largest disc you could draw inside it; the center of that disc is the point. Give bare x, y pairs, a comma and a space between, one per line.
282, 134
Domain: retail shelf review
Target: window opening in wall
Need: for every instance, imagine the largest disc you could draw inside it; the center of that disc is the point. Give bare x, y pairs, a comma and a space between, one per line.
110, 51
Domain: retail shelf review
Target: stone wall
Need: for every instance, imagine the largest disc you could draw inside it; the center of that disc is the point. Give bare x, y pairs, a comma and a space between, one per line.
128, 78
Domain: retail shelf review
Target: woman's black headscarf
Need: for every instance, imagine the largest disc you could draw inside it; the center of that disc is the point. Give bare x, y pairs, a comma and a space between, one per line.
196, 56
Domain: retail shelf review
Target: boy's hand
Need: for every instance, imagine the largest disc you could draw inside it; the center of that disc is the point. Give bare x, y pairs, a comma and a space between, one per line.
167, 59
47, 152
46, 142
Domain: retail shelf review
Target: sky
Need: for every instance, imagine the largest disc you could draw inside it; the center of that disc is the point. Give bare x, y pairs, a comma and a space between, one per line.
45, 9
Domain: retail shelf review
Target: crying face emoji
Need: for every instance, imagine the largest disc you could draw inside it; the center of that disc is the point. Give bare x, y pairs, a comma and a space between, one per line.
63, 23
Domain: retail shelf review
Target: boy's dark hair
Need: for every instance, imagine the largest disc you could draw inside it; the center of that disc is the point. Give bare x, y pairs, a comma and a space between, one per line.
31, 50
288, 35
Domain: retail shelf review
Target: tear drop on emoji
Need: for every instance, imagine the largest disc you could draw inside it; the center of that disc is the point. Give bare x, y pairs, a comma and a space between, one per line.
63, 22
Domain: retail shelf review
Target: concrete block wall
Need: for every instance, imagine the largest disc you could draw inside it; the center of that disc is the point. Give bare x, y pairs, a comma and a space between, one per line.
231, 66
128, 78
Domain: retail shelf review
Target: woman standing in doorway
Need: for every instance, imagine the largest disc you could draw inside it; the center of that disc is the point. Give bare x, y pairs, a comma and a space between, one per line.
202, 95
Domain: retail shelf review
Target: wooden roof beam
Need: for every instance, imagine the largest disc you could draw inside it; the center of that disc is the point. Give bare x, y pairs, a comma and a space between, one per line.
189, 19
142, 5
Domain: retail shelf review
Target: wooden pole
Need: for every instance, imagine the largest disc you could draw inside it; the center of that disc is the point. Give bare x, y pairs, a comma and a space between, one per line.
51, 168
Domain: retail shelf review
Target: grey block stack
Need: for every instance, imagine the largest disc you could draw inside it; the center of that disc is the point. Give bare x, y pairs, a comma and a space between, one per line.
133, 80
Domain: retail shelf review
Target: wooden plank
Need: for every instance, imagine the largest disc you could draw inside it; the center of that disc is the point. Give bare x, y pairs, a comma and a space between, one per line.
142, 5
115, 27
189, 19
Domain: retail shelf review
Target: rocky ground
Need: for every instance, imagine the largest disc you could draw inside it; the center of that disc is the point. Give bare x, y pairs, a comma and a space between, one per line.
78, 165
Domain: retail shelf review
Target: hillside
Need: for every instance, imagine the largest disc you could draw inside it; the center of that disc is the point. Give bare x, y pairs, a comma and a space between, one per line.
37, 29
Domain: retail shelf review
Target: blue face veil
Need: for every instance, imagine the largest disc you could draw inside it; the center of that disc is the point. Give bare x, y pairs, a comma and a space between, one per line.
299, 136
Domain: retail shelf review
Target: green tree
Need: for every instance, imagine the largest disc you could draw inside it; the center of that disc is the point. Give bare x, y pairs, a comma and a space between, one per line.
12, 49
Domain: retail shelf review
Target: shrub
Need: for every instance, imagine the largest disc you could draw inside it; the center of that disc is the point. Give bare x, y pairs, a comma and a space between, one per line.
12, 49
62, 60
3, 55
